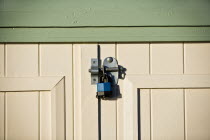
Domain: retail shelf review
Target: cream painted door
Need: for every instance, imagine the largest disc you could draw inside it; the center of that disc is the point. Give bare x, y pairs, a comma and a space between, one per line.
45, 92
165, 95
36, 92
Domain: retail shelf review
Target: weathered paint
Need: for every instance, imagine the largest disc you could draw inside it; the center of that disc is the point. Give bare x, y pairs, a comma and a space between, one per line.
112, 34
71, 13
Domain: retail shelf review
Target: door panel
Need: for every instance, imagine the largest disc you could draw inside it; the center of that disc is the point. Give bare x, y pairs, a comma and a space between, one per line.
86, 126
1, 60
45, 115
134, 57
22, 115
27, 116
165, 94
166, 106
197, 56
166, 58
56, 60
197, 102
21, 60
38, 118
2, 115
144, 114
167, 114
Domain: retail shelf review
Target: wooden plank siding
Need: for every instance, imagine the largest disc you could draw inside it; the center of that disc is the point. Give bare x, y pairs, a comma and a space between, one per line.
79, 13
102, 34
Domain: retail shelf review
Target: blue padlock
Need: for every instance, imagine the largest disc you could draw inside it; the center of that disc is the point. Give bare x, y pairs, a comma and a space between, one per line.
104, 89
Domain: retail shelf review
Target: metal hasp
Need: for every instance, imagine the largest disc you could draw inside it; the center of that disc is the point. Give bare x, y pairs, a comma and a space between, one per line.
110, 70
105, 76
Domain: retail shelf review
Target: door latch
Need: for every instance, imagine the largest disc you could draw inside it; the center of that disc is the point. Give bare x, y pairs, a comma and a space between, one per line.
105, 76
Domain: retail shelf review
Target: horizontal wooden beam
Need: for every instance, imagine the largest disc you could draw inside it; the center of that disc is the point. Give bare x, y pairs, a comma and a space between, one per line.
108, 34
75, 13
28, 84
170, 81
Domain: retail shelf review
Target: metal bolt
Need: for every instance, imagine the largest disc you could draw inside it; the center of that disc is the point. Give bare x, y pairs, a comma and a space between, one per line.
110, 59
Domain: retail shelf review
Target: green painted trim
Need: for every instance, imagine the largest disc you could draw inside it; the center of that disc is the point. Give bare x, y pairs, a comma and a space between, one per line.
120, 34
77, 13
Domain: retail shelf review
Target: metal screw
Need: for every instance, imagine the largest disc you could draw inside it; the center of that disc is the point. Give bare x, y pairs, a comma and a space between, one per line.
110, 59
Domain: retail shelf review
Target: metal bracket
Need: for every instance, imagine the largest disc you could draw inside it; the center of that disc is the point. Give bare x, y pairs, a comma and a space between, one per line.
94, 71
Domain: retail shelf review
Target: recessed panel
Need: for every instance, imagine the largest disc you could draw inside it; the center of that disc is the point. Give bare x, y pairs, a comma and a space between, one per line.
2, 60
134, 57
197, 114
167, 114
21, 60
167, 58
197, 58
22, 117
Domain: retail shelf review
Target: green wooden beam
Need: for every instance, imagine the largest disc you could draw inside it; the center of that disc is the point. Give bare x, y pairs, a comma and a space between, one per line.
111, 34
77, 13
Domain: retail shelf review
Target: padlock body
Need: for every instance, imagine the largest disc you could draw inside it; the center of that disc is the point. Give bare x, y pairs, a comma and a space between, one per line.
104, 89
101, 87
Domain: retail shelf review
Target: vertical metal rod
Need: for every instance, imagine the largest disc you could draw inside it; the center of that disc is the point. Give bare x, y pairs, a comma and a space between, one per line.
99, 118
99, 56
99, 99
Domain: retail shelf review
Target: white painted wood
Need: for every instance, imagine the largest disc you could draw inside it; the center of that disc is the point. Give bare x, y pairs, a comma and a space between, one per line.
167, 105
2, 120
28, 84
171, 77
2, 115
1, 60
67, 116
197, 114
134, 57
77, 93
197, 56
170, 81
152, 81
130, 122
86, 126
58, 111
22, 116
21, 60
47, 106
166, 58
45, 116
56, 59
108, 108
22, 111
167, 114
145, 112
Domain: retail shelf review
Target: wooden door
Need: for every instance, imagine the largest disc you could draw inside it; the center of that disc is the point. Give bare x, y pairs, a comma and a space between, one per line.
165, 95
45, 92
36, 92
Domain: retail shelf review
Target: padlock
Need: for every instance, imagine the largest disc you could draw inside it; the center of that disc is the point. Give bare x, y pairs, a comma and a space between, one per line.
104, 89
